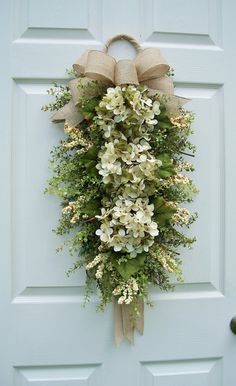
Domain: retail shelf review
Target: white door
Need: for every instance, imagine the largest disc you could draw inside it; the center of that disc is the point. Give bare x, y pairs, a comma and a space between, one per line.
47, 338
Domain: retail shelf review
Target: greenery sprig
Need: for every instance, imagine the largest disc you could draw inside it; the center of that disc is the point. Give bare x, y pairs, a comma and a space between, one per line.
120, 177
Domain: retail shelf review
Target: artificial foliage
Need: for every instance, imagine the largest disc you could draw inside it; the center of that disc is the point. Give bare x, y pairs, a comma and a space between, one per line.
122, 177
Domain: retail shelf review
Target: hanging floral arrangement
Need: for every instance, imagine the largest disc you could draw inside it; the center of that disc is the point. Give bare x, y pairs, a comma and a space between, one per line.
119, 172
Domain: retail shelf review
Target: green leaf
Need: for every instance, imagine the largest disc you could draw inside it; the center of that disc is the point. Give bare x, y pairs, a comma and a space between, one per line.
88, 110
90, 155
164, 125
130, 267
91, 168
163, 212
89, 160
167, 169
92, 207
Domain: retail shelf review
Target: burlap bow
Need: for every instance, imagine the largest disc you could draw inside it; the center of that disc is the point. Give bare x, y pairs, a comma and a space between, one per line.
125, 324
148, 68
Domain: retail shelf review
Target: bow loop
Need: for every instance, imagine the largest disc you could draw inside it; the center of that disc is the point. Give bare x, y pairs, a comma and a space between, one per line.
125, 73
150, 64
81, 63
164, 84
100, 66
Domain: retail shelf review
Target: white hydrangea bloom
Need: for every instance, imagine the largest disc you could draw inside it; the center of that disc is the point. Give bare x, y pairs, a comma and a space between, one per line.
127, 163
128, 226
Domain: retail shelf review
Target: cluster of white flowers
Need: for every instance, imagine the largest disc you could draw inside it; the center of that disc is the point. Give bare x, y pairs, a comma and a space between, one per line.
127, 291
139, 110
99, 262
128, 226
69, 208
127, 163
99, 271
73, 208
166, 259
76, 138
181, 216
98, 259
183, 120
175, 180
184, 166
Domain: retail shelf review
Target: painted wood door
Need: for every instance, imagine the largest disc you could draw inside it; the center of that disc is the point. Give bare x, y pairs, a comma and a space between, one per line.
47, 338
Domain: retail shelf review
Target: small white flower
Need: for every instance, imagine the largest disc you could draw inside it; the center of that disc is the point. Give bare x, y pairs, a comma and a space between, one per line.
121, 232
148, 102
156, 108
104, 232
152, 229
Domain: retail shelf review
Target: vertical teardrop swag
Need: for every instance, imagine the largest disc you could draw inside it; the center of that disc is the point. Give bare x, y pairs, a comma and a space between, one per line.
120, 176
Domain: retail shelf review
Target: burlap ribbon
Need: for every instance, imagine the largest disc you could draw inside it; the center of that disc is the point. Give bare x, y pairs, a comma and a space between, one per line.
125, 324
148, 68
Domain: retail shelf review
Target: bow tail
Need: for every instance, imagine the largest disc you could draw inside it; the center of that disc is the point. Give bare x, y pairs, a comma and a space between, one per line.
125, 324
68, 113
172, 102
